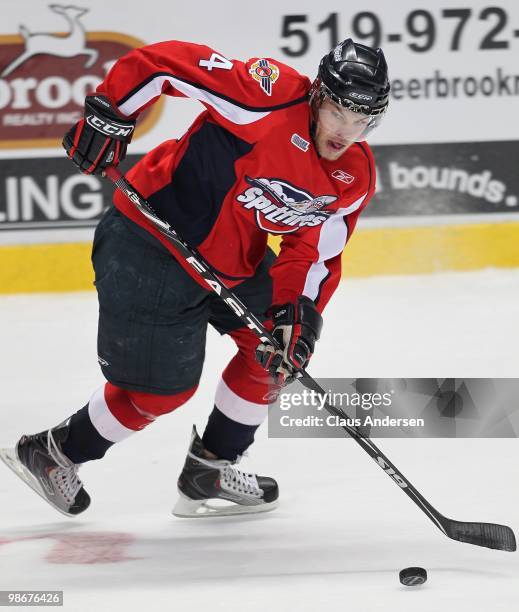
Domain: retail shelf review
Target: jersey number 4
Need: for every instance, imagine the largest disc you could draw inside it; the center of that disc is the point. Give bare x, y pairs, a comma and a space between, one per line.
216, 61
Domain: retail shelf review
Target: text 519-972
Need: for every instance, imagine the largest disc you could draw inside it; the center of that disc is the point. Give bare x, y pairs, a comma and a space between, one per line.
488, 28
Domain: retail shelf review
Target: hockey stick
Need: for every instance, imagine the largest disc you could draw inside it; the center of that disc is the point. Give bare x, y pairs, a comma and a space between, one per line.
490, 535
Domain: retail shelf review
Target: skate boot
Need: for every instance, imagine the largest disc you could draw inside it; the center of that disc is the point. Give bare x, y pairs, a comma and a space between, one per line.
230, 490
39, 462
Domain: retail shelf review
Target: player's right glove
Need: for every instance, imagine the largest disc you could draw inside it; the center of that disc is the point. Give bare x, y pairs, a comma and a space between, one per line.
100, 138
296, 328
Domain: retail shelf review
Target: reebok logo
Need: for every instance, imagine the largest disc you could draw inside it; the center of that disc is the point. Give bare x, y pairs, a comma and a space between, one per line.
343, 176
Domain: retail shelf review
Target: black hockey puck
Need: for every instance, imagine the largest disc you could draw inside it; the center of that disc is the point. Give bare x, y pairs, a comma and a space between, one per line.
413, 576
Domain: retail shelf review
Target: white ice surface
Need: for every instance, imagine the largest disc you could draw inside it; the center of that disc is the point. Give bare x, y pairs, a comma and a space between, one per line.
343, 530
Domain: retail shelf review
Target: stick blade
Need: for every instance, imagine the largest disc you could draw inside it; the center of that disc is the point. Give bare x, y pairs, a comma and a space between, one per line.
490, 535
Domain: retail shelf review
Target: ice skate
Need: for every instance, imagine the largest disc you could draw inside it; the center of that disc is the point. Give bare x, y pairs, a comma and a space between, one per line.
218, 488
40, 463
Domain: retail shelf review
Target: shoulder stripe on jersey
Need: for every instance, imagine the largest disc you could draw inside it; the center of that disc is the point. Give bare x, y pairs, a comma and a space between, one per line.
332, 240
152, 87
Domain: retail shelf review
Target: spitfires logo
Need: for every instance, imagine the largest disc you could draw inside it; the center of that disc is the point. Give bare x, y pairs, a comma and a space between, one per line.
282, 208
265, 73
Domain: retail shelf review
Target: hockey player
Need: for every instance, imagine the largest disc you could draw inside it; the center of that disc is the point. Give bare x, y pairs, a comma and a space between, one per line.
272, 153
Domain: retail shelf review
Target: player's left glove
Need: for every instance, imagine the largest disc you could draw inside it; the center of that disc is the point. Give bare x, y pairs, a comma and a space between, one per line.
296, 328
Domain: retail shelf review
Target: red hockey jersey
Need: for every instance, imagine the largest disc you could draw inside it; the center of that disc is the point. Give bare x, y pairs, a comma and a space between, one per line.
246, 167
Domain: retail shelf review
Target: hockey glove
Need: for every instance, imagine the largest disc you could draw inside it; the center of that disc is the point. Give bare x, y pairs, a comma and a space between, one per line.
100, 138
296, 328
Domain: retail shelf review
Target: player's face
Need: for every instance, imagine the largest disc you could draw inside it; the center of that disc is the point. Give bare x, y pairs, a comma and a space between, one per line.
337, 128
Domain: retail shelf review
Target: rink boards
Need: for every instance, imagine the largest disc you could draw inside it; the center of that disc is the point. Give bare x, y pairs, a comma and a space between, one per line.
372, 251
446, 155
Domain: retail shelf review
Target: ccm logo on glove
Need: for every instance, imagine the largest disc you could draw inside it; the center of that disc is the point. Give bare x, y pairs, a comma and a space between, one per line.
116, 130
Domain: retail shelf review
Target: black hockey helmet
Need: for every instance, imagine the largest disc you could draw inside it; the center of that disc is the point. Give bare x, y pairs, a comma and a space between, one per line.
356, 77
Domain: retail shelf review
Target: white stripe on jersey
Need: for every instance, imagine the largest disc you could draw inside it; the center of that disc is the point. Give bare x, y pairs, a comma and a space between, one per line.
227, 109
237, 408
332, 240
104, 421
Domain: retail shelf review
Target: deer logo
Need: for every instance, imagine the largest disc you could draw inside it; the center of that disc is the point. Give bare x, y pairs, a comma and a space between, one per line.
71, 45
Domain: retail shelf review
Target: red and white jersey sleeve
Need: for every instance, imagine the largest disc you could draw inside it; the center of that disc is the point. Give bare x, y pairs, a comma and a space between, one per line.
310, 262
225, 87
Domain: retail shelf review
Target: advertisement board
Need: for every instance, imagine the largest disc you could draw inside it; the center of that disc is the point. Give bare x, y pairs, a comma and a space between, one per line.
445, 152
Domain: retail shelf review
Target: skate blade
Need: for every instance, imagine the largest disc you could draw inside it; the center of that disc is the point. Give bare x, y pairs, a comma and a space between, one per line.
10, 458
203, 508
